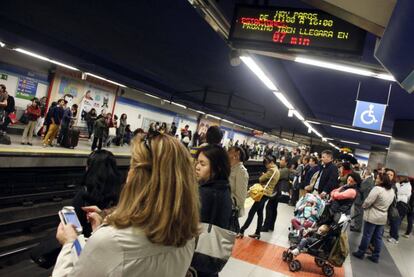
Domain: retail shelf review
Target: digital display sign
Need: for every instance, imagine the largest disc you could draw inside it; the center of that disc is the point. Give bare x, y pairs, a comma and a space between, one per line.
291, 29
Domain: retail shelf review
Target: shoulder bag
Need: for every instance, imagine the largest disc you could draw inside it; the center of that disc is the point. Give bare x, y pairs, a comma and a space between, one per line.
213, 247
256, 191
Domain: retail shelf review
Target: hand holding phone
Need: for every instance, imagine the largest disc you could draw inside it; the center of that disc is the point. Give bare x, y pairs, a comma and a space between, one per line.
68, 216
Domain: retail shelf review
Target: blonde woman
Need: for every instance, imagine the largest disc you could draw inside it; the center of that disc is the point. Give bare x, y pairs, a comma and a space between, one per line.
151, 232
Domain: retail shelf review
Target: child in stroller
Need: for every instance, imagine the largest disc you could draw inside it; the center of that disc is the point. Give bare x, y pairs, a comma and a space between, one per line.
327, 244
307, 212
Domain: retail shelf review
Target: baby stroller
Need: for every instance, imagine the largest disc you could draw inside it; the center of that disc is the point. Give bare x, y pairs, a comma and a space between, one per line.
330, 250
296, 235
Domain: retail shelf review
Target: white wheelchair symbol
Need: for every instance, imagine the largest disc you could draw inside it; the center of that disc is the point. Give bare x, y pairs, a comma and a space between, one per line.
370, 115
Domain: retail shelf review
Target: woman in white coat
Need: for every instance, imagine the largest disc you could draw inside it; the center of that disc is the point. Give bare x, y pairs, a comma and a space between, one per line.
151, 232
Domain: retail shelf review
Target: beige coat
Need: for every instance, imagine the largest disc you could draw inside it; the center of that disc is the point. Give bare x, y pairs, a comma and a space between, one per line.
239, 180
376, 205
265, 178
124, 252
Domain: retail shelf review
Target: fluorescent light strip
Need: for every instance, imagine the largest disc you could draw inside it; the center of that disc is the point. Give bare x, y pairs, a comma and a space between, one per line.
284, 100
213, 116
104, 79
228, 121
314, 122
344, 68
2, 44
178, 105
252, 65
197, 111
152, 96
350, 142
298, 115
377, 134
345, 128
40, 57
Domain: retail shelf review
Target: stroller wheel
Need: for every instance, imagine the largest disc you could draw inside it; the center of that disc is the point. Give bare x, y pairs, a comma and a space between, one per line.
289, 257
284, 256
328, 270
319, 262
295, 266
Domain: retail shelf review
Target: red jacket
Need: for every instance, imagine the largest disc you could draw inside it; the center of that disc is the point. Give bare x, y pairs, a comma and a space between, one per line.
33, 113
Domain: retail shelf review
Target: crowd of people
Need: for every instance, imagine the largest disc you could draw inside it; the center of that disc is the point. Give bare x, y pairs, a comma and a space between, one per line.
148, 226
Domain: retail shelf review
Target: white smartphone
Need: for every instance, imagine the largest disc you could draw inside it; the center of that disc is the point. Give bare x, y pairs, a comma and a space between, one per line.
68, 216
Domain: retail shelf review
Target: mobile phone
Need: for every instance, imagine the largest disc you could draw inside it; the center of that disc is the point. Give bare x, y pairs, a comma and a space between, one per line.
68, 216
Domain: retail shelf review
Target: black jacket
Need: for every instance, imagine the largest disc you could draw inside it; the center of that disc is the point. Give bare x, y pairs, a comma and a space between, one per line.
328, 179
10, 105
216, 193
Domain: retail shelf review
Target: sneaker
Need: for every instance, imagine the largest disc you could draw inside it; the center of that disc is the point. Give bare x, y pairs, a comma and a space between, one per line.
372, 259
392, 240
29, 144
406, 236
295, 252
358, 255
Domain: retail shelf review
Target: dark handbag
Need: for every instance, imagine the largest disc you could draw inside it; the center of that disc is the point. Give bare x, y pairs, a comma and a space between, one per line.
24, 119
393, 213
403, 208
234, 219
282, 191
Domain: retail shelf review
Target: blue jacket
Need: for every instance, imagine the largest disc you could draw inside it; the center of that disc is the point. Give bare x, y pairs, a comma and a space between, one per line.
57, 114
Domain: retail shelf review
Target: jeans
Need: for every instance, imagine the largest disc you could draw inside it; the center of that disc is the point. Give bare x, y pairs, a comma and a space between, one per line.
258, 208
64, 129
7, 121
409, 223
90, 128
394, 228
271, 214
374, 232
96, 140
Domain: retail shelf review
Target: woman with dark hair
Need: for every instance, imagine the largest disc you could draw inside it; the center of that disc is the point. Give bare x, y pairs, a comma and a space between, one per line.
212, 172
101, 185
122, 128
273, 175
375, 216
90, 118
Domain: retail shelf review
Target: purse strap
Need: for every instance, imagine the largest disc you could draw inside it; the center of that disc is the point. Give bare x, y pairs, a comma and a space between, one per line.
268, 182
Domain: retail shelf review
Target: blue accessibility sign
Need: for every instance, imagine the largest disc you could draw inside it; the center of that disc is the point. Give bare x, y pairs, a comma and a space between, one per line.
369, 115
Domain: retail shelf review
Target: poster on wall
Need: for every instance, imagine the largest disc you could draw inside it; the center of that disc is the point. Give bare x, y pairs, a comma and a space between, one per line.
86, 96
202, 128
26, 88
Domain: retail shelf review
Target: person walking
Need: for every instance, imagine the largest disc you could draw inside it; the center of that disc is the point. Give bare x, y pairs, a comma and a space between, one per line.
375, 217
258, 207
33, 113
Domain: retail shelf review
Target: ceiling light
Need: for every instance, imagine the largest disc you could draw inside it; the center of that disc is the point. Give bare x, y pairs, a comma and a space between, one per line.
290, 113
283, 99
40, 57
344, 68
344, 128
377, 134
213, 116
104, 79
298, 115
383, 76
178, 105
324, 140
314, 122
153, 96
197, 111
259, 72
228, 121
350, 142
2, 44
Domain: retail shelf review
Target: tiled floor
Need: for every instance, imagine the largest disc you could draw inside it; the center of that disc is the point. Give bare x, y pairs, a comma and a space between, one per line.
396, 260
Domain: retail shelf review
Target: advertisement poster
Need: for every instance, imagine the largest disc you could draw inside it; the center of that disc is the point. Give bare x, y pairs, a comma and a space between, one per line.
202, 128
26, 88
86, 96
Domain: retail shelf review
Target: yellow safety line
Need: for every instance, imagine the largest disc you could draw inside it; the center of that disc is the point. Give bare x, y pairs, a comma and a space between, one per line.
53, 151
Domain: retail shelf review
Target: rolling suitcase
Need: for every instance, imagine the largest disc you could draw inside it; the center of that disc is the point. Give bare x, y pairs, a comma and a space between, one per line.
72, 138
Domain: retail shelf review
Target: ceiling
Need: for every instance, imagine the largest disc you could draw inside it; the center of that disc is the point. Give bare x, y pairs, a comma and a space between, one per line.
165, 47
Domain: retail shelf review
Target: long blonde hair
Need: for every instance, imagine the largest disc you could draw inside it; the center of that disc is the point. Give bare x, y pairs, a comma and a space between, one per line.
161, 193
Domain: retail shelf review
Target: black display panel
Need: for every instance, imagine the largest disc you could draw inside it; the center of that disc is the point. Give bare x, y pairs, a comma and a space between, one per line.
291, 29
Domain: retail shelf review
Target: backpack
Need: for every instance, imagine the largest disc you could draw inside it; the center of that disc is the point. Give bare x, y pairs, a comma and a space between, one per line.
340, 250
283, 189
